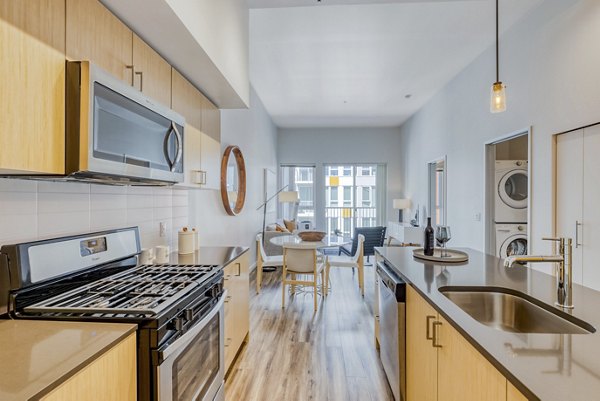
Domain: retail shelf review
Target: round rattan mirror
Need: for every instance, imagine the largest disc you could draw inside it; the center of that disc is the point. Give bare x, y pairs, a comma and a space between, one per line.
233, 180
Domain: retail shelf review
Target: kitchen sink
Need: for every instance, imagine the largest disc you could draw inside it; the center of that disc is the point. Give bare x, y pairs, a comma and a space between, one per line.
505, 310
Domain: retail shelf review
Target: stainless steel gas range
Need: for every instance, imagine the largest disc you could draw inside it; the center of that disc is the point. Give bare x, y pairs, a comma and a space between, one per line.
95, 277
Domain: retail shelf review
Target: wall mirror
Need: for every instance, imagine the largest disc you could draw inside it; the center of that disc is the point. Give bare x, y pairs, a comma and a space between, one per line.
233, 180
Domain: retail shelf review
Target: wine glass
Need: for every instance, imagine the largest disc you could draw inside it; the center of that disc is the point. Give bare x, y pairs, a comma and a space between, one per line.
443, 235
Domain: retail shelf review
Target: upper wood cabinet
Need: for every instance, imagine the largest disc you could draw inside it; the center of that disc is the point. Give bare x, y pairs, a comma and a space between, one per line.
512, 394
152, 73
187, 100
95, 34
211, 119
32, 86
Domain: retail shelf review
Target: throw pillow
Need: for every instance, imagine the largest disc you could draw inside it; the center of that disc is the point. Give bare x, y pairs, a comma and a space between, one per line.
280, 229
290, 225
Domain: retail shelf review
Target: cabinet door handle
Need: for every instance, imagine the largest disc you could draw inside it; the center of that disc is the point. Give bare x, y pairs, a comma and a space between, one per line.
227, 299
130, 67
141, 75
577, 225
239, 266
428, 332
436, 334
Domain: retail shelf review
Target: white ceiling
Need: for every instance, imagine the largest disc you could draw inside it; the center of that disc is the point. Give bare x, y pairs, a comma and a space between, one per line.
353, 64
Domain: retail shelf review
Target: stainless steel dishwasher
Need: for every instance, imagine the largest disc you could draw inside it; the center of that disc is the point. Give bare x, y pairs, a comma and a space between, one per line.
392, 328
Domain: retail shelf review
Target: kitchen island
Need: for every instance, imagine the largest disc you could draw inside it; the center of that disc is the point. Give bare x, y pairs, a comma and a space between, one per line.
542, 366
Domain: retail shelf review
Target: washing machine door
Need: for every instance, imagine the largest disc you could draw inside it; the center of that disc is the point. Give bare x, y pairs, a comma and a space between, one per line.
514, 245
512, 189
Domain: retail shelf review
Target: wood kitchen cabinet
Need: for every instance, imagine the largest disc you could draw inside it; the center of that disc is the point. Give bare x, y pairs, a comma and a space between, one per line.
512, 394
202, 154
421, 356
152, 73
94, 33
463, 373
237, 307
211, 120
441, 364
32, 86
110, 377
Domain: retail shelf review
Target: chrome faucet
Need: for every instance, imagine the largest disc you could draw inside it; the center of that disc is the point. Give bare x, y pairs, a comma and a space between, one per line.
564, 274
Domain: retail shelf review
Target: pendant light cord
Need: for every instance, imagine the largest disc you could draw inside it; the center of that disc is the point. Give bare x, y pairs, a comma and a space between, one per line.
497, 46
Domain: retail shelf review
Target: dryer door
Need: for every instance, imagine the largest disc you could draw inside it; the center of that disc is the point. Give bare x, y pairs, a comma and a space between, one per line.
512, 189
514, 245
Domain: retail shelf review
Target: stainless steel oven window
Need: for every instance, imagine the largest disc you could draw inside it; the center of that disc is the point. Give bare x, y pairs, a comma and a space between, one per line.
127, 132
197, 367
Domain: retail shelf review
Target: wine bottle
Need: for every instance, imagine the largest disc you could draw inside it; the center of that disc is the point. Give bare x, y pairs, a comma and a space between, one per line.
428, 241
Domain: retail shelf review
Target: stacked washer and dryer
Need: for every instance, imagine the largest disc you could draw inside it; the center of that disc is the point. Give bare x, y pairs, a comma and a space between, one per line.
511, 207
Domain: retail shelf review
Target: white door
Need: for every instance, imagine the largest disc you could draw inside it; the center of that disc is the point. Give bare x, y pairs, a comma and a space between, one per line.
590, 231
569, 193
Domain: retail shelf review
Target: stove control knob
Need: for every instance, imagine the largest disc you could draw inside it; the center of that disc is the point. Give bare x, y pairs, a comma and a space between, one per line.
177, 324
189, 314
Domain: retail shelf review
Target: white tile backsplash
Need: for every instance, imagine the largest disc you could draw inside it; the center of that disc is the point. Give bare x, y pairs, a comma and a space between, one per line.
30, 210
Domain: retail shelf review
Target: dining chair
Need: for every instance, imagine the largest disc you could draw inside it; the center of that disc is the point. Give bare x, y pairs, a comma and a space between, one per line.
374, 237
298, 260
262, 260
357, 261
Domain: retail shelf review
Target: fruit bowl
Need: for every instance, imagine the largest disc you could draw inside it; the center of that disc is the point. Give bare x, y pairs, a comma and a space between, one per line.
311, 236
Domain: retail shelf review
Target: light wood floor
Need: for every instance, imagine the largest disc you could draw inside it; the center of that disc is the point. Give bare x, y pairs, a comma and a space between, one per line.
294, 354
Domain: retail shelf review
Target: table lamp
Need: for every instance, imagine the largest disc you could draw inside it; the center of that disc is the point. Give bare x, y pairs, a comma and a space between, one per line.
401, 204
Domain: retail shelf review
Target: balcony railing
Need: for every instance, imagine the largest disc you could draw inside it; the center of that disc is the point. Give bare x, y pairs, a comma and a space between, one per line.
345, 219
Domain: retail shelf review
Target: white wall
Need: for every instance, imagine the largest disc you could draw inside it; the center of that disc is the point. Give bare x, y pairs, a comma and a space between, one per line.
256, 135
550, 65
222, 30
345, 145
31, 210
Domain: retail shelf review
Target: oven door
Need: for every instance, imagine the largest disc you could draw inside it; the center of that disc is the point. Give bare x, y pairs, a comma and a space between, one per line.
193, 367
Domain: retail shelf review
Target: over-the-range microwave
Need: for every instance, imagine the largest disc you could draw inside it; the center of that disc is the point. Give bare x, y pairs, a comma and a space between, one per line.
116, 135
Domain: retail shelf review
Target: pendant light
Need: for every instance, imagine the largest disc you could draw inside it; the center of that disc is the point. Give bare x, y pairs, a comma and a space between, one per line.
498, 93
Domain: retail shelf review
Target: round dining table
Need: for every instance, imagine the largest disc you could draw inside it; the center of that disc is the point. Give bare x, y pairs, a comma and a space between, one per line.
329, 241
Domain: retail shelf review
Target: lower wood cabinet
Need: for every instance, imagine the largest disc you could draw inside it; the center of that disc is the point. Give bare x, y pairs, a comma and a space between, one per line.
237, 307
110, 377
442, 365
421, 356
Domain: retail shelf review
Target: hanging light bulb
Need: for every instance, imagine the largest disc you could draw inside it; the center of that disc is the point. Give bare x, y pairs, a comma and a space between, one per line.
498, 103
498, 93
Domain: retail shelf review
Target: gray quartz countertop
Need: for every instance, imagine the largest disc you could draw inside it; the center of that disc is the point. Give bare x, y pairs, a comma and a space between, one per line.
210, 255
549, 367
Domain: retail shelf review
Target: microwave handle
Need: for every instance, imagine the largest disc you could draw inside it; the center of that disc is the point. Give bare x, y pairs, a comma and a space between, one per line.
173, 163
179, 146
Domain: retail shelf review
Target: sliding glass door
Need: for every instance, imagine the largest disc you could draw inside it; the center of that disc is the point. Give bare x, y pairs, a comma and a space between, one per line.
352, 194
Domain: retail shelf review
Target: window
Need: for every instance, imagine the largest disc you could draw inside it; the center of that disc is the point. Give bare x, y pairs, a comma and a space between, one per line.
332, 196
300, 179
351, 198
366, 196
347, 196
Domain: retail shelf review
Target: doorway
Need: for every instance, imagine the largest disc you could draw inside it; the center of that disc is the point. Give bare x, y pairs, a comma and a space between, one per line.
507, 186
437, 191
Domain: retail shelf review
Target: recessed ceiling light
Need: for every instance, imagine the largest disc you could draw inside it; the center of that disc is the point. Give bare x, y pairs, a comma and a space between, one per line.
407, 96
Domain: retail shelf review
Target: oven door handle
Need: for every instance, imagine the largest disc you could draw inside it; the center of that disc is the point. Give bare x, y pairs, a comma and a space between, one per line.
192, 333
